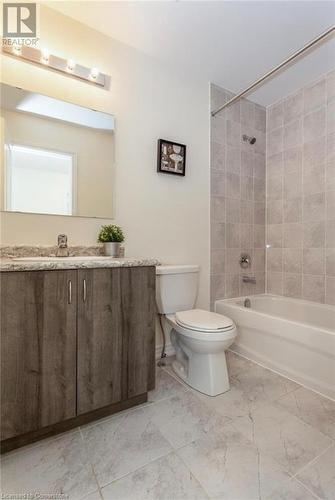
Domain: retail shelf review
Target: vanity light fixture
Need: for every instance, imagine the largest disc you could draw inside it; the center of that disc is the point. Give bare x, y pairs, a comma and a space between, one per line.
69, 67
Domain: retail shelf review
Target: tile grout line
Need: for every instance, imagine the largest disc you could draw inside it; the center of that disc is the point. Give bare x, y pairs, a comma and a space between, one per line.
314, 459
91, 465
306, 488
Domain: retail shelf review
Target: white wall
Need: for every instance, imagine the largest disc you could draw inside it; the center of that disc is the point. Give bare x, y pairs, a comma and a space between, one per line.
163, 216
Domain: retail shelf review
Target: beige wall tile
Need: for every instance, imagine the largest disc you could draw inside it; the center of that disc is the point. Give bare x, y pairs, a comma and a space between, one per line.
274, 211
314, 152
330, 233
293, 260
274, 163
314, 207
275, 283
293, 210
313, 288
330, 202
274, 189
232, 282
275, 235
217, 156
314, 125
233, 159
292, 235
274, 259
247, 236
315, 95
293, 159
330, 86
247, 162
217, 287
217, 182
292, 285
330, 290
247, 207
259, 235
330, 261
314, 179
314, 235
260, 118
293, 184
217, 235
233, 210
293, 106
247, 112
259, 189
247, 188
233, 233
331, 117
292, 134
233, 133
275, 141
218, 208
233, 185
275, 116
259, 212
218, 261
314, 261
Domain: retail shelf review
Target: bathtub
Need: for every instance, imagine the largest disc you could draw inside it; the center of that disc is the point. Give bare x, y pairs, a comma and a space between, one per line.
293, 337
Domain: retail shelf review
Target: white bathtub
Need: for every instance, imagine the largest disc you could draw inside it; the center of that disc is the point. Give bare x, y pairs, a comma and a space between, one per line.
294, 337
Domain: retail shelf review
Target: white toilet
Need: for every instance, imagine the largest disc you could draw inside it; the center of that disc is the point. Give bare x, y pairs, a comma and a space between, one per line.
199, 337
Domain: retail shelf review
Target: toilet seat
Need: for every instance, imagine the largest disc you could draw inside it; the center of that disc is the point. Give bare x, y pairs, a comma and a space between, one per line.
203, 321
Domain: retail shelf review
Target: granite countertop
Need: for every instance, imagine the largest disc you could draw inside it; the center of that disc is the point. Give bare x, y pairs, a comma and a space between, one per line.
81, 257
7, 264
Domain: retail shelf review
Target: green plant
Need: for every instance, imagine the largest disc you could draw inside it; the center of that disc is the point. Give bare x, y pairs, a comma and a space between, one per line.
110, 234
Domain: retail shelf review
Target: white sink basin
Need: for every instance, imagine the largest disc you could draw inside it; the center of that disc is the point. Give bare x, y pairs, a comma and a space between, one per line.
60, 259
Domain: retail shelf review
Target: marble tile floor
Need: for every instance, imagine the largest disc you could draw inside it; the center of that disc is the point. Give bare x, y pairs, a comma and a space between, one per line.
266, 439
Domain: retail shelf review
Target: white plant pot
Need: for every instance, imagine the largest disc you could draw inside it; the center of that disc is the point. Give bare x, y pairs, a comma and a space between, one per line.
112, 249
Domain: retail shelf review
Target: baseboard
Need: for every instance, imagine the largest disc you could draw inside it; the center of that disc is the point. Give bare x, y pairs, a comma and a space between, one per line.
169, 350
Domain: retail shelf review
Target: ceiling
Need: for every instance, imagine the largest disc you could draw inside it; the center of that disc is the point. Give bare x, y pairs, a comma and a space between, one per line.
230, 43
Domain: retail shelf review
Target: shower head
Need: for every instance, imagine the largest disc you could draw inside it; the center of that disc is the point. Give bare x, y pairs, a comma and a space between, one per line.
249, 139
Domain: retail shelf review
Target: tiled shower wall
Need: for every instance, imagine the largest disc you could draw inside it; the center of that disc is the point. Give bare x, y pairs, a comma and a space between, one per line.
237, 196
301, 193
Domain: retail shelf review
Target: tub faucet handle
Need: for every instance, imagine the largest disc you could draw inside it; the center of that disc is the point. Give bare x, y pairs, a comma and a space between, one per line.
245, 261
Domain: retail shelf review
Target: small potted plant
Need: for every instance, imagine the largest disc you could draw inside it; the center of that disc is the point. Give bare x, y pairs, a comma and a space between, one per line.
112, 237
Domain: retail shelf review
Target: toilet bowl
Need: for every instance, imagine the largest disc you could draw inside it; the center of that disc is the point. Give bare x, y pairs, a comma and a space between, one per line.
200, 338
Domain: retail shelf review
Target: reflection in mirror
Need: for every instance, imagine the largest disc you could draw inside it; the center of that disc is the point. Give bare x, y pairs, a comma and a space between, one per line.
57, 156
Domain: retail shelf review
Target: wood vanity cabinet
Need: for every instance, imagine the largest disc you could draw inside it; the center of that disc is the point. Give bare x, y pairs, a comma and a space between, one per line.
75, 345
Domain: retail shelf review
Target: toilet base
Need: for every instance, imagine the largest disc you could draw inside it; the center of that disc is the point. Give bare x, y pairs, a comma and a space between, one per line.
204, 372
208, 376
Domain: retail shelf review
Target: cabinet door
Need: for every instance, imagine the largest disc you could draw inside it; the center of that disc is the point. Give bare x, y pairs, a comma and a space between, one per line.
99, 339
138, 320
38, 349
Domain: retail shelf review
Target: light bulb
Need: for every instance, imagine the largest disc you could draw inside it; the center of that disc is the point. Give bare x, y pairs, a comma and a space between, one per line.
45, 56
94, 73
17, 50
70, 65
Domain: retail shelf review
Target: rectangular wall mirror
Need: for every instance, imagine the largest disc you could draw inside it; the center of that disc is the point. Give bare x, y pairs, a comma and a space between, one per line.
57, 156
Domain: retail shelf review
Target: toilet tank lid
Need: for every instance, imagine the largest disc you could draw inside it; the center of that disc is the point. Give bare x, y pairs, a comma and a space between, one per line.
177, 269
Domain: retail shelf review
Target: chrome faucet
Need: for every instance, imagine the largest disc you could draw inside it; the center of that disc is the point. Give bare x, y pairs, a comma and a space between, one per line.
62, 250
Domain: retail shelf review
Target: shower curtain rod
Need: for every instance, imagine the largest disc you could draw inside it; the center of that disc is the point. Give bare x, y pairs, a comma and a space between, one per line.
274, 70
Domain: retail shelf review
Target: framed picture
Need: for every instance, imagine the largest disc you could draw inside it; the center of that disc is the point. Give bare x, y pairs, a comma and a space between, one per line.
171, 157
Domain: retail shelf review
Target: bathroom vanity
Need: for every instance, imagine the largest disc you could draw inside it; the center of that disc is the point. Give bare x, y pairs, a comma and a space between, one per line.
77, 343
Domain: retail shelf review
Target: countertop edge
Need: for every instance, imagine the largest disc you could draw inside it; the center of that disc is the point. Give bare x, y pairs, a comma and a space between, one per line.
8, 265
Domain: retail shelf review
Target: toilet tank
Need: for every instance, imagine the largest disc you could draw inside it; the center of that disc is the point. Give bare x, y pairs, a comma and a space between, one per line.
176, 288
